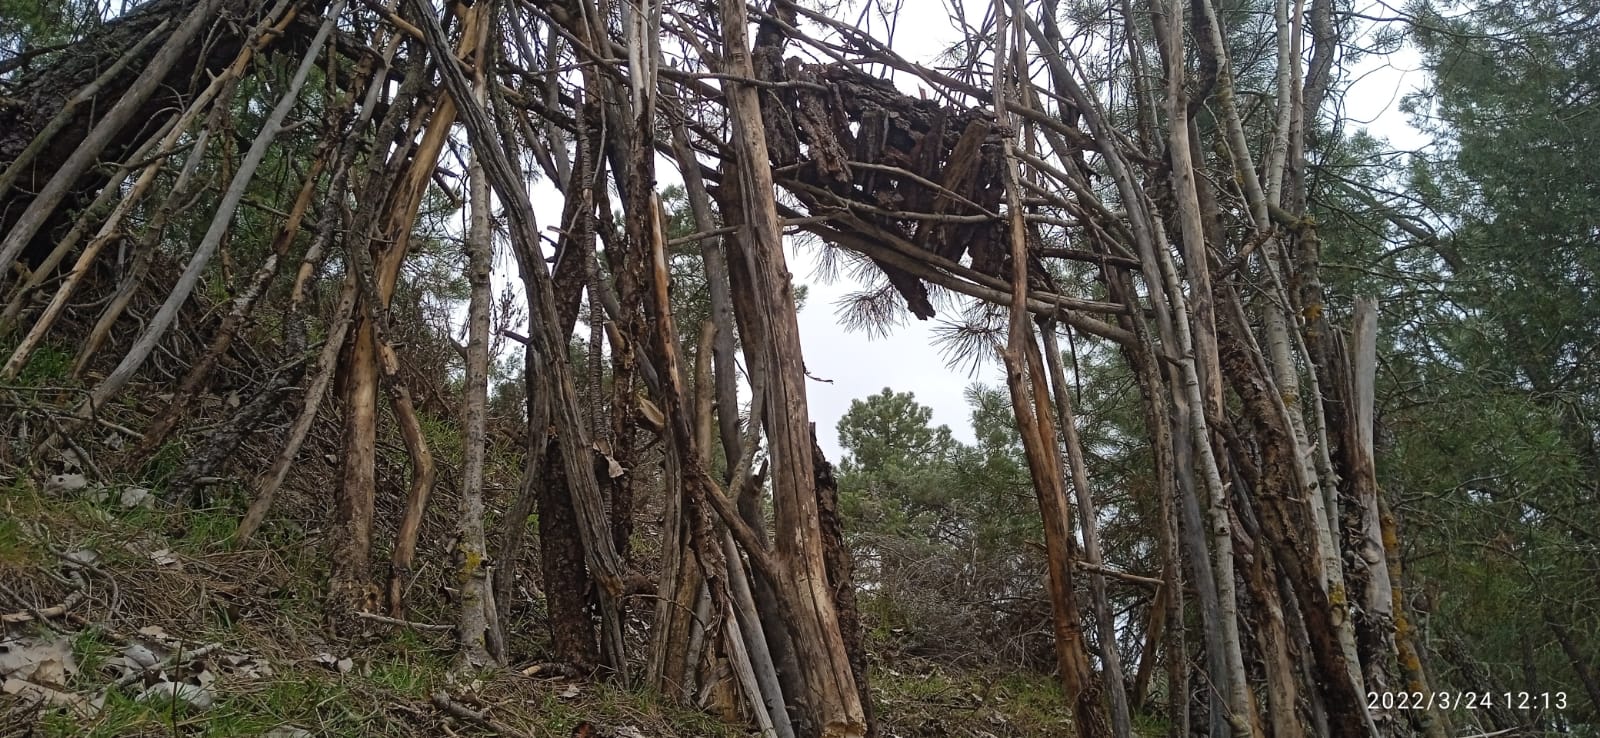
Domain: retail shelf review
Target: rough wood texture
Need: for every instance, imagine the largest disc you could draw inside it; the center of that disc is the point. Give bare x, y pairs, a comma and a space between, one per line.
831, 700
929, 172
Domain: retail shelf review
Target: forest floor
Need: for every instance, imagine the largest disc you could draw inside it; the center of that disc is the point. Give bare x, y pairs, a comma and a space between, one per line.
98, 579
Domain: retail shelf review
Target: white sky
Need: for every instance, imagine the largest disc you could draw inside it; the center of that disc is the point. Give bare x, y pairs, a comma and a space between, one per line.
858, 365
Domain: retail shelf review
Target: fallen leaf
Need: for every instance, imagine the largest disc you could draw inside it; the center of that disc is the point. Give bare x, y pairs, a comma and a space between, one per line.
189, 696
46, 663
137, 497
53, 697
139, 656
341, 665
287, 731
165, 559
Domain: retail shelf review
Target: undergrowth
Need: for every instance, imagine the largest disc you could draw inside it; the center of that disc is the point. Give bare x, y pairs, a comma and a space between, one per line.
263, 601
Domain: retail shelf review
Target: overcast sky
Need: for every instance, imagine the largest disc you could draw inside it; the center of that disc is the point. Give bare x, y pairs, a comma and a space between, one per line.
856, 365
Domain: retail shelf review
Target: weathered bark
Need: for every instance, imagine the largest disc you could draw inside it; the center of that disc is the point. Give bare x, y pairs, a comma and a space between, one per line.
151, 82
1271, 630
350, 587
476, 640
743, 308
575, 258
680, 582
1089, 525
841, 576
1141, 356
1431, 723
109, 232
831, 699
1472, 671
567, 582
599, 553
1025, 376
1195, 319
1348, 399
422, 466
1029, 386
1284, 515
402, 215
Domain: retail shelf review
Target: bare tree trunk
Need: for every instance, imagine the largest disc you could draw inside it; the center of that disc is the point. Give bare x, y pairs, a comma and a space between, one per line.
575, 256
680, 582
1349, 399
567, 581
599, 553
1271, 631
841, 576
1282, 519
268, 483
1196, 335
88, 149
1026, 379
1029, 385
832, 701
1116, 689
477, 640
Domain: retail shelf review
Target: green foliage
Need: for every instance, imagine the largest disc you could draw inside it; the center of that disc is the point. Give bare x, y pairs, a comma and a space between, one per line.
27, 24
896, 472
940, 528
50, 365
923, 699
165, 462
15, 549
1489, 380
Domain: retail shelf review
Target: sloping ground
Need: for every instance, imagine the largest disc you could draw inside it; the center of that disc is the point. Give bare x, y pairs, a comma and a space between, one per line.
93, 585
144, 579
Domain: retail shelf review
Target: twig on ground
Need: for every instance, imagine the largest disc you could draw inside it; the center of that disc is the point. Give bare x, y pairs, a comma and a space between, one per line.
456, 709
75, 566
26, 616
31, 614
403, 623
166, 663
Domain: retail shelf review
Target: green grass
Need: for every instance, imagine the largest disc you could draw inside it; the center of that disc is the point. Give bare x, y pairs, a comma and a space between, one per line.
93, 651
319, 705
920, 699
165, 462
16, 549
48, 366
